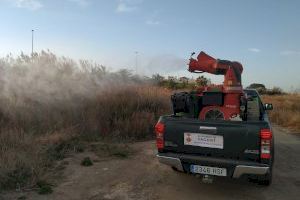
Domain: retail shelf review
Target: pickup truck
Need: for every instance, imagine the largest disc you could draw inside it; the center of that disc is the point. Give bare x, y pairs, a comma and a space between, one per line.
218, 148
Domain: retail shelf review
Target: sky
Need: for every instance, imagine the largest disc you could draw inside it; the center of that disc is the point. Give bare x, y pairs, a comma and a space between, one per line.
158, 36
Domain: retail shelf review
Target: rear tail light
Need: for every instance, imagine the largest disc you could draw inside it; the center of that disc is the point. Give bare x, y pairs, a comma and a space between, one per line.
265, 143
159, 131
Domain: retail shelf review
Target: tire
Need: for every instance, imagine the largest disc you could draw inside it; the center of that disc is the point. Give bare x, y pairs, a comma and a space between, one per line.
265, 180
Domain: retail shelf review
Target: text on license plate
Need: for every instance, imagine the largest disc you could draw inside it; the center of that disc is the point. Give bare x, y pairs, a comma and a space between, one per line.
204, 140
208, 170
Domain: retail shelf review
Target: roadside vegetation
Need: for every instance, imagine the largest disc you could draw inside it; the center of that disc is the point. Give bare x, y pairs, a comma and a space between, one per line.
286, 110
175, 83
51, 106
261, 88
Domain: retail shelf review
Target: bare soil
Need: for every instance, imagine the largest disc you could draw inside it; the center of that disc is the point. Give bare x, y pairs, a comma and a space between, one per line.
140, 176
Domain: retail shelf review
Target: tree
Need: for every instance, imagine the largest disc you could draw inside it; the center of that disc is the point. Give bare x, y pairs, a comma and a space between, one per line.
202, 81
275, 91
172, 84
157, 78
261, 88
256, 85
124, 74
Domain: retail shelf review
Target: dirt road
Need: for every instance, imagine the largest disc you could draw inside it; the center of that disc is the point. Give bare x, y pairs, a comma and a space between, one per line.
142, 177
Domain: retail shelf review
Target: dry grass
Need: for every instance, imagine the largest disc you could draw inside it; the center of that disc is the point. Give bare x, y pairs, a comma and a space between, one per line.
286, 111
29, 145
50, 106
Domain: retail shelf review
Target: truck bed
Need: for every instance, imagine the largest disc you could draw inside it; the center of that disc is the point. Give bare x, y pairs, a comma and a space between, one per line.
236, 140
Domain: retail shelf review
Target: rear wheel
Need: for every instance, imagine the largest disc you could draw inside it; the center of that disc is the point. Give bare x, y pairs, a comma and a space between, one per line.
265, 179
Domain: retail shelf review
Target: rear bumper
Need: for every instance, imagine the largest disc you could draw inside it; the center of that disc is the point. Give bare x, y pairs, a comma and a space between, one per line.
235, 168
244, 169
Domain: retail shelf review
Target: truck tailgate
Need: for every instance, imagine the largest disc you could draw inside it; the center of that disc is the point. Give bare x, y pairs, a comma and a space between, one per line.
225, 139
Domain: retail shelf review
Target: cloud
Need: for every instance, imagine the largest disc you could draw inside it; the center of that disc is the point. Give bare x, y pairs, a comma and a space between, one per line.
153, 18
123, 7
255, 50
127, 6
289, 52
27, 4
152, 22
82, 3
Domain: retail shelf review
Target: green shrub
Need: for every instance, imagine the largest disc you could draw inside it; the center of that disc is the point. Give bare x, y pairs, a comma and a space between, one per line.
87, 162
44, 187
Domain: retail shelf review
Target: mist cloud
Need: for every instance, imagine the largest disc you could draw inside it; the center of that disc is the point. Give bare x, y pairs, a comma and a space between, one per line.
165, 64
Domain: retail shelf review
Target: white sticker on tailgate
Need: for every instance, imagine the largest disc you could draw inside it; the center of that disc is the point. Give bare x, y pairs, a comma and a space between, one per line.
203, 140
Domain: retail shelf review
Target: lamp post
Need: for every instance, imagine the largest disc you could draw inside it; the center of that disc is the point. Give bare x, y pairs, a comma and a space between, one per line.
136, 62
32, 34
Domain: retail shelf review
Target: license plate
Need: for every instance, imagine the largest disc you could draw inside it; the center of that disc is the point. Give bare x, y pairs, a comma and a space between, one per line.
204, 140
208, 170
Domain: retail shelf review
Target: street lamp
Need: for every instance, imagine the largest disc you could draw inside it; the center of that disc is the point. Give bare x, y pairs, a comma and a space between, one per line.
136, 62
32, 33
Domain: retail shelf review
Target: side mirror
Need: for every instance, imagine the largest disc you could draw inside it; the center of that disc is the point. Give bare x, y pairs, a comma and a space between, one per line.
268, 106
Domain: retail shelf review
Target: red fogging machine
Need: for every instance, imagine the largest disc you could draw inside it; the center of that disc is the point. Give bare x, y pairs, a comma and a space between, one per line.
214, 102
